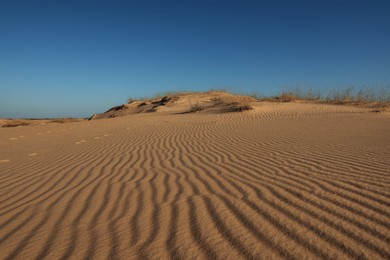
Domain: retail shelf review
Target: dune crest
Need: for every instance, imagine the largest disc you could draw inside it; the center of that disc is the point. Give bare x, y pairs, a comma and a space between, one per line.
212, 101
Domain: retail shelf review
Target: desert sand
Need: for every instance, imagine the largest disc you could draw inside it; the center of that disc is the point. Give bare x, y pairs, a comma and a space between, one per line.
282, 181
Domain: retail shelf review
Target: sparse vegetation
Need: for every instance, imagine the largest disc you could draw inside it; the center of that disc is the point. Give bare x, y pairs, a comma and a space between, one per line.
195, 107
241, 107
300, 93
217, 90
174, 93
234, 103
286, 97
375, 97
254, 94
131, 100
160, 95
364, 96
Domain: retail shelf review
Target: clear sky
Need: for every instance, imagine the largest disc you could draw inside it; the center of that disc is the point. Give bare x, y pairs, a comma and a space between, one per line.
75, 58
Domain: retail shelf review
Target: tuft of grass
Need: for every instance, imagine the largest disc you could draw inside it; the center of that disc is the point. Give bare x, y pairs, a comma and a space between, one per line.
241, 107
298, 93
217, 101
175, 93
160, 95
131, 100
254, 94
195, 107
217, 90
287, 97
368, 96
234, 103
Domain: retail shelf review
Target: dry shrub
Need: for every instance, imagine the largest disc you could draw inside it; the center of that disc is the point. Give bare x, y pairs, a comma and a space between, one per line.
195, 107
256, 95
234, 103
230, 99
287, 97
241, 107
367, 96
217, 100
298, 93
217, 90
131, 100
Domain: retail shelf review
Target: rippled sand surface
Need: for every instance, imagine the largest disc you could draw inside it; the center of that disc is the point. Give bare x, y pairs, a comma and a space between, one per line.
285, 181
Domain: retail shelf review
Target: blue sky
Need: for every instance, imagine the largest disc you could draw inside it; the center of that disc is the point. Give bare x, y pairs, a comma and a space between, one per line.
77, 58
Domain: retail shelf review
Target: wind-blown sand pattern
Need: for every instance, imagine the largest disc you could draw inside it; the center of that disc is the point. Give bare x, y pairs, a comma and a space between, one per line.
284, 181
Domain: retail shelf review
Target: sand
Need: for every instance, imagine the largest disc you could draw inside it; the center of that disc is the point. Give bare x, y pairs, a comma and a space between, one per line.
283, 181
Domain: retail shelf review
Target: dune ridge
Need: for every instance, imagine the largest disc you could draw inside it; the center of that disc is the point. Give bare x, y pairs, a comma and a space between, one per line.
284, 181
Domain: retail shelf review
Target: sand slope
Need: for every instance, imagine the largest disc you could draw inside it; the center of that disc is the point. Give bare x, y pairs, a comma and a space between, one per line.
286, 180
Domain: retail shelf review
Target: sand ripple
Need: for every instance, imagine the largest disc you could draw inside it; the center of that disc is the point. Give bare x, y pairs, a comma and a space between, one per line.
283, 181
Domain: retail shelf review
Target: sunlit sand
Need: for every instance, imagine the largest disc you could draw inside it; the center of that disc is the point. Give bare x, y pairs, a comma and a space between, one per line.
282, 180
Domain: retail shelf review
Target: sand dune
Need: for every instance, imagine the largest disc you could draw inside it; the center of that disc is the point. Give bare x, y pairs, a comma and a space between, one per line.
283, 181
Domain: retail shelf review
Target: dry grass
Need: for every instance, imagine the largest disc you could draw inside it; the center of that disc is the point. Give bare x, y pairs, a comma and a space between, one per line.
234, 103
376, 97
196, 107
160, 95
286, 97
366, 96
241, 107
216, 90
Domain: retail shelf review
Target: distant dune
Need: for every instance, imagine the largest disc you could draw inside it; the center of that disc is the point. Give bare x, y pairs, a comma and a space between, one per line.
184, 177
205, 102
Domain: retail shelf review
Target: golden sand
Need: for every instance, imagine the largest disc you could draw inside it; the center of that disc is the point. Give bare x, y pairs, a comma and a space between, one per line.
285, 180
